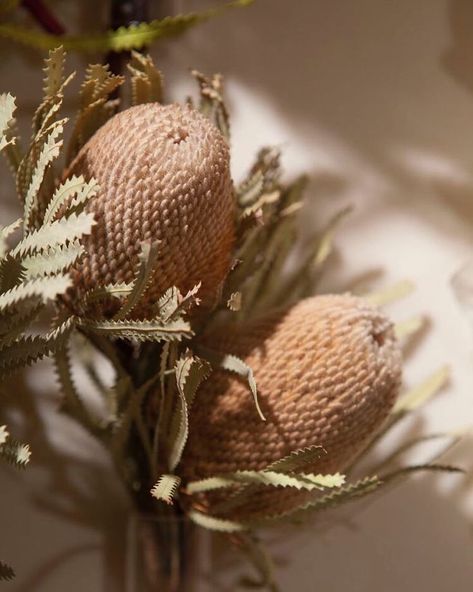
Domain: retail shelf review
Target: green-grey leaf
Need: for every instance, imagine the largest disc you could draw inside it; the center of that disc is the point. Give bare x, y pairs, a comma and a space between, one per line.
140, 331
190, 372
59, 232
46, 287
217, 524
147, 258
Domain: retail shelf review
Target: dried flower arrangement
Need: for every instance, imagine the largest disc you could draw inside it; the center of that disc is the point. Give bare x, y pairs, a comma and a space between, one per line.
239, 399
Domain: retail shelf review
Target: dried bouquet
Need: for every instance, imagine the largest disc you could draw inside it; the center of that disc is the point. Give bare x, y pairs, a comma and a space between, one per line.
239, 400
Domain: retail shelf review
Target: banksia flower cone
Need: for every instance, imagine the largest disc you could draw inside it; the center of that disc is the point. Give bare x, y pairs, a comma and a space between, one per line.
164, 176
327, 372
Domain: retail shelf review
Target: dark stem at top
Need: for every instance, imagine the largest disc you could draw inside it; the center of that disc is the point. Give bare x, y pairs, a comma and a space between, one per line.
43, 15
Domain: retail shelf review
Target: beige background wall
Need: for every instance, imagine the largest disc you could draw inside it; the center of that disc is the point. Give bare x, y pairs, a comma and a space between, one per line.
374, 99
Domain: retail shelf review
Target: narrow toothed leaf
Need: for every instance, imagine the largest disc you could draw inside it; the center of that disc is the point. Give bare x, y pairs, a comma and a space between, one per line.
166, 488
140, 331
3, 434
300, 481
5, 232
297, 460
52, 261
26, 350
46, 287
217, 524
146, 80
71, 194
16, 453
49, 152
59, 232
234, 364
147, 260
6, 572
7, 109
190, 372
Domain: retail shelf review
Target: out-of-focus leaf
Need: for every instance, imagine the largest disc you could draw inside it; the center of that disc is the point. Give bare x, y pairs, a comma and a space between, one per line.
135, 36
420, 394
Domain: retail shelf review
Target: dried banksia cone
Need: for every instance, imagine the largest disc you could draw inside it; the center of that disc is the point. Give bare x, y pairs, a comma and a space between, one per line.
328, 372
164, 176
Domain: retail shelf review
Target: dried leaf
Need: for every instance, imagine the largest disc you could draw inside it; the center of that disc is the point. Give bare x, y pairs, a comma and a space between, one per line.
298, 459
234, 364
300, 481
6, 572
147, 262
46, 287
59, 232
410, 327
420, 394
391, 294
166, 488
217, 524
52, 261
190, 372
63, 197
140, 331
146, 80
7, 108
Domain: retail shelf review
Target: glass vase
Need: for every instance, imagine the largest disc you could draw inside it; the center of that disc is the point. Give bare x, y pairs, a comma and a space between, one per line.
165, 554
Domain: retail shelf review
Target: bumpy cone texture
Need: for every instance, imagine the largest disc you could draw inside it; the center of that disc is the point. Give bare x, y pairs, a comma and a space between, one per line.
328, 372
164, 176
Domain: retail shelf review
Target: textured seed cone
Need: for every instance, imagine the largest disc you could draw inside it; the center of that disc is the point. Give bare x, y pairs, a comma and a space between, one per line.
328, 372
164, 176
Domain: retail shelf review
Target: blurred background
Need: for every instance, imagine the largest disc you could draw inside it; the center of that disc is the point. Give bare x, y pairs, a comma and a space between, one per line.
374, 100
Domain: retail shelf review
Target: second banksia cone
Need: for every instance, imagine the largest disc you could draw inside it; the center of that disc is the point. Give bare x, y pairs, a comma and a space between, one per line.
328, 372
164, 176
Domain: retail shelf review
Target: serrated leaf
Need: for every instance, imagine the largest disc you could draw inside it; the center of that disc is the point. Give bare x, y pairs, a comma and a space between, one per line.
300, 481
420, 394
19, 321
234, 301
26, 350
217, 524
7, 108
52, 261
54, 71
146, 80
96, 106
6, 572
166, 488
232, 363
46, 287
59, 232
63, 197
3, 434
16, 453
212, 104
110, 290
135, 36
297, 460
190, 372
147, 262
140, 331
72, 402
5, 232
334, 498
